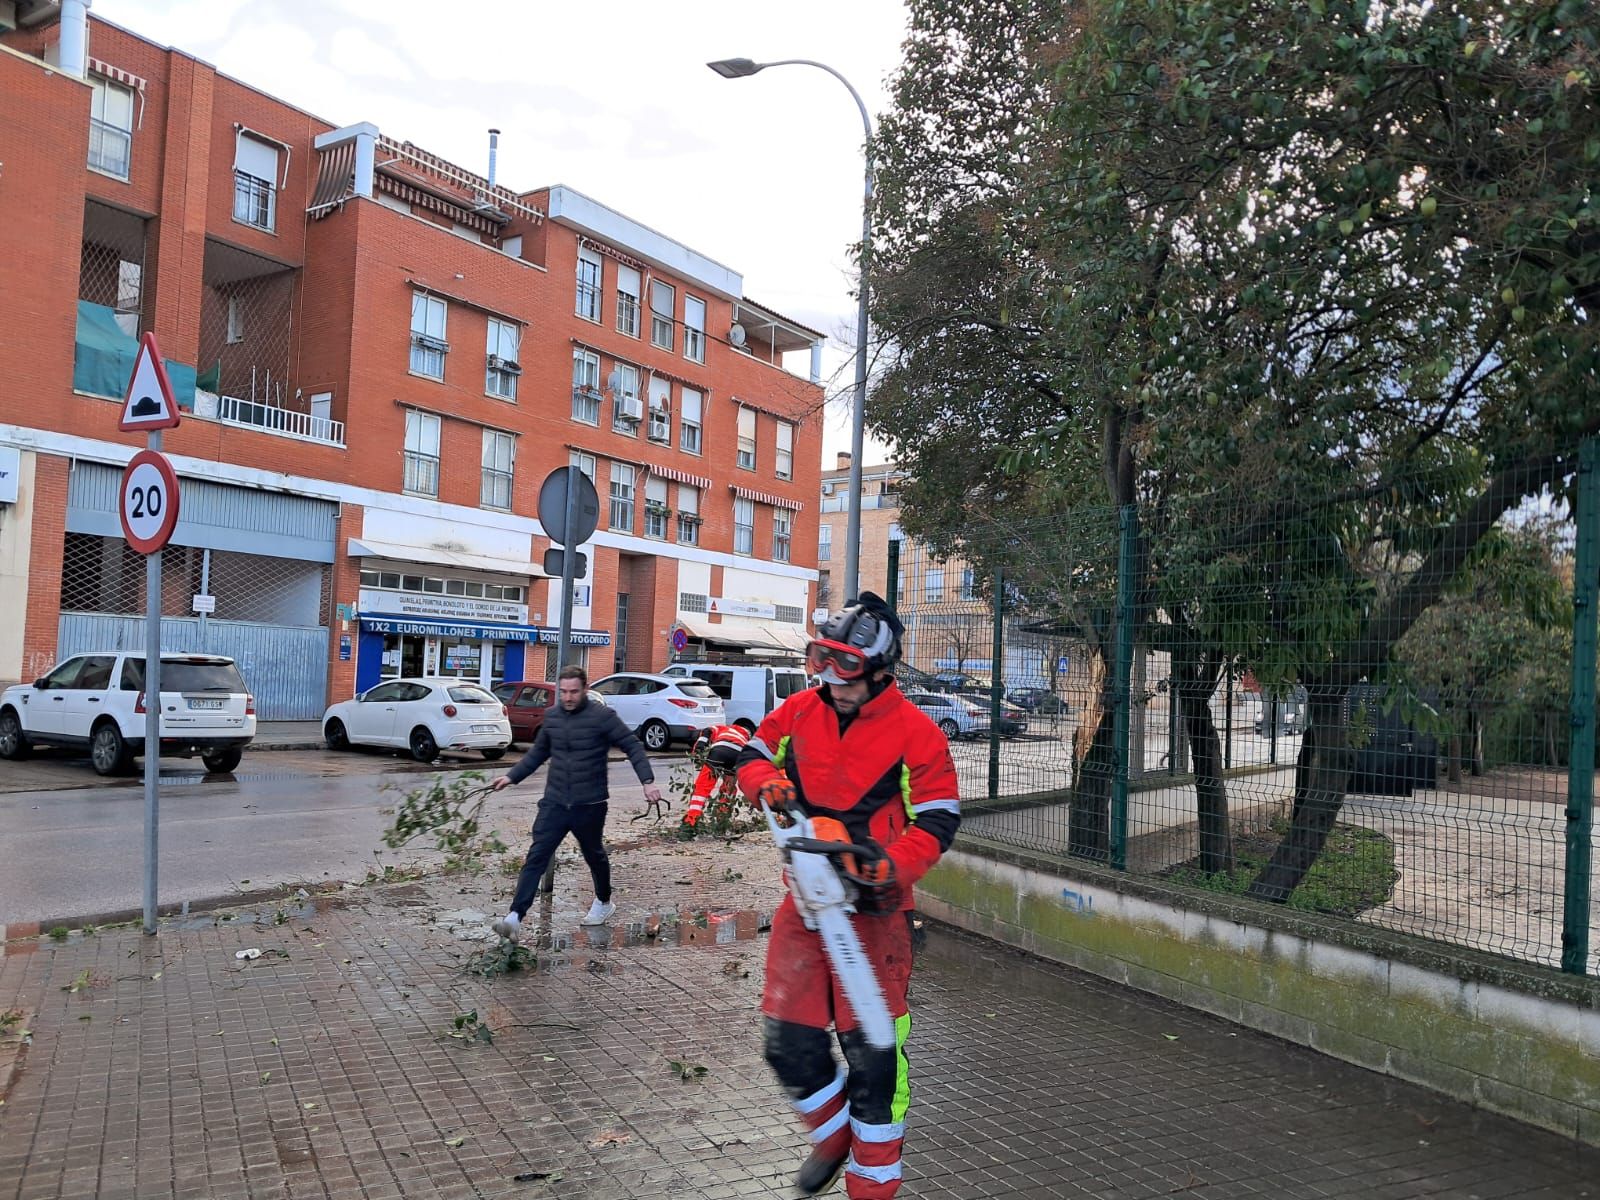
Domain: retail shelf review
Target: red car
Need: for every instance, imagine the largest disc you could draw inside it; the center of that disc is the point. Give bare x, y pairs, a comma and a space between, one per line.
525, 706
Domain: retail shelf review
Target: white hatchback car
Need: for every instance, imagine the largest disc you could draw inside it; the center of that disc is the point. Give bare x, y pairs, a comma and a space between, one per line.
423, 715
97, 702
662, 709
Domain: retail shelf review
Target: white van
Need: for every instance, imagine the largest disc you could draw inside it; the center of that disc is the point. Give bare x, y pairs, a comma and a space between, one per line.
748, 693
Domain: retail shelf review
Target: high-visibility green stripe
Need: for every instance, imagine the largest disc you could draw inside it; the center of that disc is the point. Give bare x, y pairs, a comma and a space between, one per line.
905, 791
783, 752
902, 1069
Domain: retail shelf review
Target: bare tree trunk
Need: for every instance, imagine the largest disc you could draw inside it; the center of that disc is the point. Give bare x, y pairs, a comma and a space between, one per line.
1454, 756
1475, 739
1210, 789
1321, 777
1089, 815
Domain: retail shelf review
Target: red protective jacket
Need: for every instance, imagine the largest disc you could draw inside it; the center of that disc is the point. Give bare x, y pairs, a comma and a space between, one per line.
888, 775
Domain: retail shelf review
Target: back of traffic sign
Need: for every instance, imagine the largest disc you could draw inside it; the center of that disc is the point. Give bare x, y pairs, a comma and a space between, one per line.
553, 507
149, 404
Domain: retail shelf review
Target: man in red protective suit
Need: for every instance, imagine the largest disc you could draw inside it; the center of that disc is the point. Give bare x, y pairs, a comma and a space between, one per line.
717, 752
857, 750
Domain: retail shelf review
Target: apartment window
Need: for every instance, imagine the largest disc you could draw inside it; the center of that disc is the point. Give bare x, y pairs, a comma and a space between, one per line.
782, 525
589, 285
110, 127
747, 439
428, 346
824, 588
255, 174
622, 497
422, 453
498, 451
744, 525
933, 585
660, 429
694, 329
655, 507
783, 466
689, 422
663, 299
628, 301
584, 463
626, 409
968, 591
689, 515
586, 387
235, 333
825, 543
502, 368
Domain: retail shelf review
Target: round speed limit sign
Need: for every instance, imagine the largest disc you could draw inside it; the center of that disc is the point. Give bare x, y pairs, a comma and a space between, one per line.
149, 501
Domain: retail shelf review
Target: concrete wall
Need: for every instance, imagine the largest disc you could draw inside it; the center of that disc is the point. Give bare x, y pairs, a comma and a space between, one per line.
1518, 1040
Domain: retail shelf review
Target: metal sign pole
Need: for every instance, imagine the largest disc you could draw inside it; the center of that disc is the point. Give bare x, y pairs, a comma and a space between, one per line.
152, 717
569, 563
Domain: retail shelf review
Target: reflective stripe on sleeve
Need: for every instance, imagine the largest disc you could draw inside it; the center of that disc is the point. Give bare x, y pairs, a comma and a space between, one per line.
949, 806
760, 748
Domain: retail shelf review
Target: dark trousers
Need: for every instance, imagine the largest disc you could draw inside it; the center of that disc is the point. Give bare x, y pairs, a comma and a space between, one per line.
587, 823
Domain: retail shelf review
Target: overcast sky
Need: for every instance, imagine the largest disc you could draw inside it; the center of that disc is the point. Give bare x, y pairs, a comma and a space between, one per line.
611, 97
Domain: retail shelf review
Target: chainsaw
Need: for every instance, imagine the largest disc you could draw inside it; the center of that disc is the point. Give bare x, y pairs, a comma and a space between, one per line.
820, 858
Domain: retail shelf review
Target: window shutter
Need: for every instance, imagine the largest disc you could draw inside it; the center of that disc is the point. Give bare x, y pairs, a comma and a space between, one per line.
255, 158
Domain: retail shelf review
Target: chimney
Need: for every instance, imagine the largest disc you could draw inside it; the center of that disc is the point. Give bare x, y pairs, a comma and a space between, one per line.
844, 461
494, 142
75, 37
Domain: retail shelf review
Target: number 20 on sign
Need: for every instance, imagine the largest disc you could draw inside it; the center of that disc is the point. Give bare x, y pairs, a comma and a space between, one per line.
149, 501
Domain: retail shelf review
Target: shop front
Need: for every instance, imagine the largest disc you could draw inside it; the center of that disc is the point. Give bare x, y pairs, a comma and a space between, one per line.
394, 646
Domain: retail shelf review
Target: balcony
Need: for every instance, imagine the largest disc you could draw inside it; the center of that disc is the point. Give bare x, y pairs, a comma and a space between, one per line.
868, 503
270, 418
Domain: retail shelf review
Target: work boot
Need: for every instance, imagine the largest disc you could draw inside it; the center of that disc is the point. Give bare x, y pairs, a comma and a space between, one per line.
599, 912
821, 1168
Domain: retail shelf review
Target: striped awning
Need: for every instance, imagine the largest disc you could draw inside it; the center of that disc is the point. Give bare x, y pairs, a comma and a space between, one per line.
127, 78
626, 260
745, 493
677, 476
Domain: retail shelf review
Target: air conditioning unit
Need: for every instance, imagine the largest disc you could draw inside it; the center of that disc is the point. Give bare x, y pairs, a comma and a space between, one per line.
630, 408
430, 343
496, 363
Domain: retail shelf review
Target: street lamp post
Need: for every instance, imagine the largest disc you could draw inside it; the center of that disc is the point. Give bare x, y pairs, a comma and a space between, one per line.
738, 68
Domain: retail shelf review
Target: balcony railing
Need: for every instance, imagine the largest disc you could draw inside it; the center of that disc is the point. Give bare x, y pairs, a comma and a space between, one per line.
286, 422
840, 503
109, 148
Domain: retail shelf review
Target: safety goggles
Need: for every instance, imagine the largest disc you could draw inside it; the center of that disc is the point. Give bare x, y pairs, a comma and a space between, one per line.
846, 663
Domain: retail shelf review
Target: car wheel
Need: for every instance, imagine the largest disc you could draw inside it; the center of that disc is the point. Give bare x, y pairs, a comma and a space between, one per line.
107, 749
223, 760
949, 728
13, 742
655, 735
336, 737
495, 753
423, 747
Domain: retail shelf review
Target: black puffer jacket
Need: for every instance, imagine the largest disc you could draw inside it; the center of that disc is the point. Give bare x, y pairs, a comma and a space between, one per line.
577, 744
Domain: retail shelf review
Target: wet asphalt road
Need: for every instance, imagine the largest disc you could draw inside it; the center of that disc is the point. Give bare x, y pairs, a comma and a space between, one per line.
293, 817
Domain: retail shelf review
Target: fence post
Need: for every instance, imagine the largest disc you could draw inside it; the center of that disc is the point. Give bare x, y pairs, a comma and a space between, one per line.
997, 652
1580, 760
1123, 689
891, 589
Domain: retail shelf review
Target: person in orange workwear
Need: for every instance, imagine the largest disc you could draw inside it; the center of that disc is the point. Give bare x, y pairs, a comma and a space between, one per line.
854, 749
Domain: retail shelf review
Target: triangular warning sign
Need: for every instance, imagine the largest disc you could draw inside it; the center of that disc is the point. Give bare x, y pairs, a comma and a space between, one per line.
713, 607
149, 403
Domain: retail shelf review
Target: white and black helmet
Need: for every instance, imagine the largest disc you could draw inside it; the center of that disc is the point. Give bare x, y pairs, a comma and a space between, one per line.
855, 641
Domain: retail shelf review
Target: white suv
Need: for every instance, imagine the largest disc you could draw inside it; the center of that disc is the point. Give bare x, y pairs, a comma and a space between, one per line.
661, 709
97, 701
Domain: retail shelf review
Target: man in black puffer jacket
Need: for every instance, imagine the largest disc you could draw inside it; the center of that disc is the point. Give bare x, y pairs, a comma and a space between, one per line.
576, 737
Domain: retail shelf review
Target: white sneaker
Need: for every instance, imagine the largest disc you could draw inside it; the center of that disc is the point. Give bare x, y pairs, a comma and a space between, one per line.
508, 927
599, 912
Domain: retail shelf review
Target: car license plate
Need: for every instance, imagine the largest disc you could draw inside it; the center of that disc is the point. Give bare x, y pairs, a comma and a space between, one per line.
205, 704
485, 729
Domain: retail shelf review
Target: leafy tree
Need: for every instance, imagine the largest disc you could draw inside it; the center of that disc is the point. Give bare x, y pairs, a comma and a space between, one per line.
1314, 281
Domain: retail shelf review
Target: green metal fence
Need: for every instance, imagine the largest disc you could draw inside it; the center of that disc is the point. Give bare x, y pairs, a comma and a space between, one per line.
1376, 706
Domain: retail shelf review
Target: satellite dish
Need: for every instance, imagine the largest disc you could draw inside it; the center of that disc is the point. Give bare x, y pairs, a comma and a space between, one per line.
736, 335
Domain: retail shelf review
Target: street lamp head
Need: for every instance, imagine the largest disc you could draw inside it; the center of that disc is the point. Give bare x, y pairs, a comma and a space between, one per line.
735, 68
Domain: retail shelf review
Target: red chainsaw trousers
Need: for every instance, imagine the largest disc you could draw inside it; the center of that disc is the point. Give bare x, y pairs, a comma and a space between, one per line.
859, 1112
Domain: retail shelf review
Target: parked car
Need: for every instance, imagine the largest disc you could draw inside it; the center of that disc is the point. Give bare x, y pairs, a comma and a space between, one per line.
424, 715
526, 704
748, 693
1029, 698
965, 716
662, 709
97, 702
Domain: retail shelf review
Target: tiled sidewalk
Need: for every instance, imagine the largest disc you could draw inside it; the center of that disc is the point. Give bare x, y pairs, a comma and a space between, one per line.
627, 1065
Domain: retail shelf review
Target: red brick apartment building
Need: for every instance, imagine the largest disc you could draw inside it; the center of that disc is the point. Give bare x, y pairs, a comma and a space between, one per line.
379, 356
